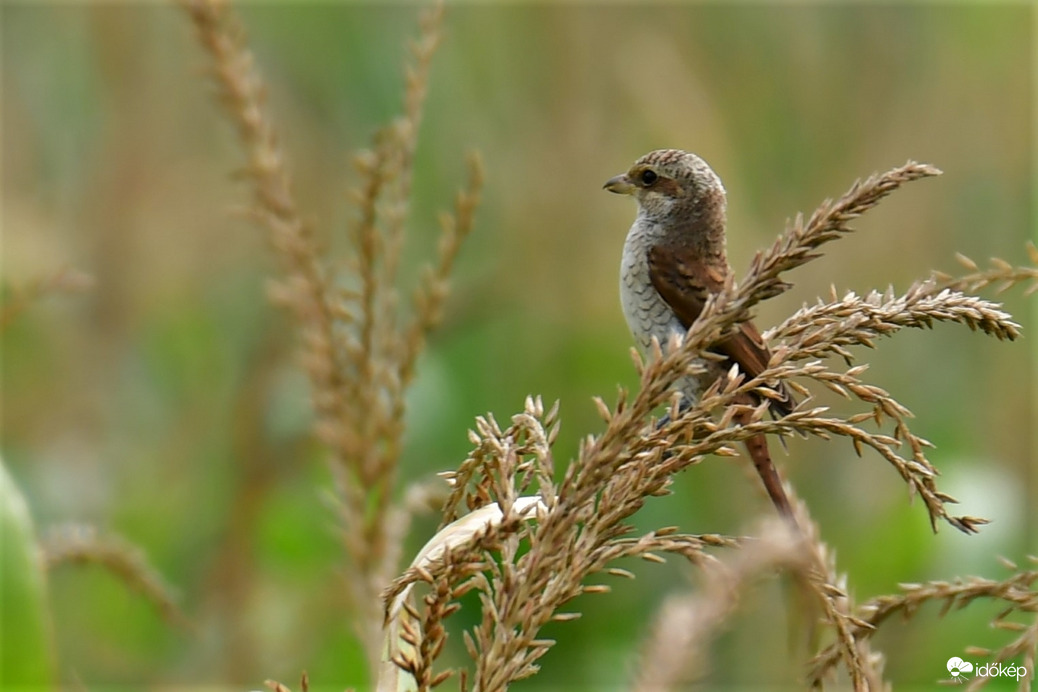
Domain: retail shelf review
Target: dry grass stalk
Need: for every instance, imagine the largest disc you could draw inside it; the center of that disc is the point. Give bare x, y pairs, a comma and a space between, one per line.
243, 94
413, 641
829, 221
1001, 272
1017, 592
829, 587
79, 544
360, 349
17, 299
275, 686
525, 577
686, 624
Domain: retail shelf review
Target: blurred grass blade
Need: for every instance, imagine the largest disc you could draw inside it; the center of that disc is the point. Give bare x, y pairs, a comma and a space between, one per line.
25, 643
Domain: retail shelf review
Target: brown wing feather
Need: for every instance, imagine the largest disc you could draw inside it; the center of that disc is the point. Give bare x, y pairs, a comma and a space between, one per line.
684, 282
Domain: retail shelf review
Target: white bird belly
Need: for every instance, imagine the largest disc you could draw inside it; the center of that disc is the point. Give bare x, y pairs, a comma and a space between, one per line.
647, 314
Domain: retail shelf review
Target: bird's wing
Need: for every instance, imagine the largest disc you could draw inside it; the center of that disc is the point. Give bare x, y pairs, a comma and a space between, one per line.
684, 282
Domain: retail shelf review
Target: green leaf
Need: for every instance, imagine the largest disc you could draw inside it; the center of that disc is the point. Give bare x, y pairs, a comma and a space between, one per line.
25, 638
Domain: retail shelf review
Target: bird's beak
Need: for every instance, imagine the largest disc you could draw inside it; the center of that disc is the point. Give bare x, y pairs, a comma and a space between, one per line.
620, 184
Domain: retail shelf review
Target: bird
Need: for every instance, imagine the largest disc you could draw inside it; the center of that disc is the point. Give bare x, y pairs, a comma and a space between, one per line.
673, 259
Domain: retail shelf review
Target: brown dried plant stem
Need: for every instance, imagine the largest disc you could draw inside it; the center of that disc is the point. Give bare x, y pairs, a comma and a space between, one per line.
359, 352
685, 625
1017, 592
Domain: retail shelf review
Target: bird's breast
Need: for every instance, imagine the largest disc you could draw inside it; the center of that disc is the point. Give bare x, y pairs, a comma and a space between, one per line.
647, 314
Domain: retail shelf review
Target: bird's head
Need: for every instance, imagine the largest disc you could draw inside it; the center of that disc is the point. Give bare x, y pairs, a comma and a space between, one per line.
670, 182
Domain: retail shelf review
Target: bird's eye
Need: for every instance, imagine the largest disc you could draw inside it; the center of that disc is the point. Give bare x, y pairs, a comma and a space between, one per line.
648, 177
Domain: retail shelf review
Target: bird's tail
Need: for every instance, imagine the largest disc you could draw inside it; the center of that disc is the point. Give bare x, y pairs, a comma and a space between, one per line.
757, 446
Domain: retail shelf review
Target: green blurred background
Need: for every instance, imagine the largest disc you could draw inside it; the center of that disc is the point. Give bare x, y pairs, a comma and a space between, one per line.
167, 404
